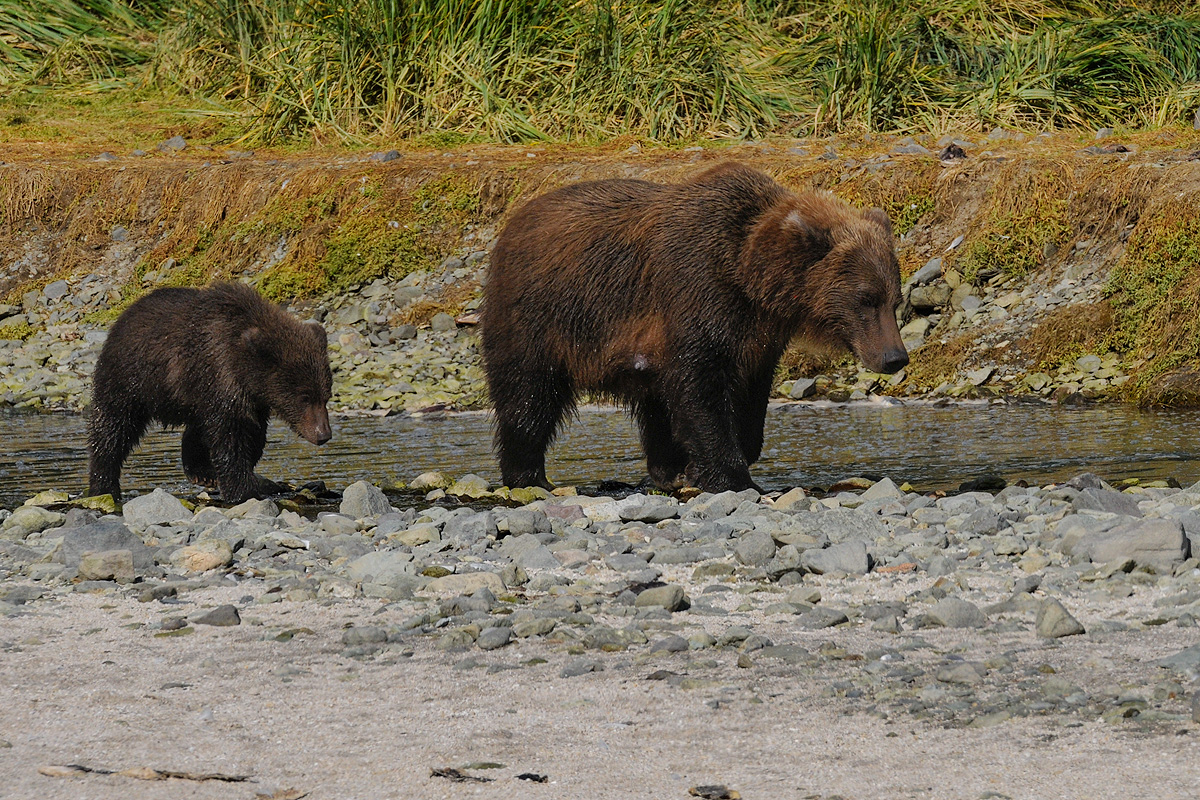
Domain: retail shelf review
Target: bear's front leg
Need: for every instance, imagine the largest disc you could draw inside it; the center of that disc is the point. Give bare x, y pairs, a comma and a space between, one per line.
235, 446
702, 417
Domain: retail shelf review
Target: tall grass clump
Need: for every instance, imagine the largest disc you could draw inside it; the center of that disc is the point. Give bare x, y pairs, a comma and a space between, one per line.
668, 70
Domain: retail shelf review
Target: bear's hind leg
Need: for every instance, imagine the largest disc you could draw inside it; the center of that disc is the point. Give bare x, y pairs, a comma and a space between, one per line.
113, 431
530, 405
666, 459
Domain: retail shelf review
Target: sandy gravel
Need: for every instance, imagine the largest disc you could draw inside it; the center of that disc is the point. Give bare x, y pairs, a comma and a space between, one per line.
82, 683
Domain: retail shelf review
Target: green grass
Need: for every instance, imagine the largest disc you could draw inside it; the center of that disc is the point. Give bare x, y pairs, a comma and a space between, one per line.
448, 72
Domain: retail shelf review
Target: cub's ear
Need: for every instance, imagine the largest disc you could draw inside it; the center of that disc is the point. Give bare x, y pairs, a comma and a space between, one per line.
879, 217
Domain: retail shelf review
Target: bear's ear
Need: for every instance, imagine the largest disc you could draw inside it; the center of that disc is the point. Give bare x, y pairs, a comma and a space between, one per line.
879, 217
257, 343
796, 223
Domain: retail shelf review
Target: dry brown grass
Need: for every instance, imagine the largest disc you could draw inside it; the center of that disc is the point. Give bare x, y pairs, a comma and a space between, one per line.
937, 362
1067, 333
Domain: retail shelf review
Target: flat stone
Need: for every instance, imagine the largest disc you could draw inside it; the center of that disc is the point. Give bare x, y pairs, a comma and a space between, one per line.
1159, 544
466, 583
581, 666
107, 533
821, 617
203, 555
755, 548
954, 612
27, 520
670, 644
494, 638
362, 499
1106, 500
670, 597
1055, 622
967, 673
427, 481
1187, 660
470, 527
107, 565
223, 616
849, 557
382, 566
647, 508
157, 508
469, 485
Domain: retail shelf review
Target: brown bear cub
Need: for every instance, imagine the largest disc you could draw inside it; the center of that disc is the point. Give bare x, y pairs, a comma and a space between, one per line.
218, 361
678, 301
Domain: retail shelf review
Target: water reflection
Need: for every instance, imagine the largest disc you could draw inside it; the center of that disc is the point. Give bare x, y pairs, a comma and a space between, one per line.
806, 445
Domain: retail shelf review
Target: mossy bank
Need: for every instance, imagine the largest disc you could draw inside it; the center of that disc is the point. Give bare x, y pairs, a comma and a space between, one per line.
1058, 266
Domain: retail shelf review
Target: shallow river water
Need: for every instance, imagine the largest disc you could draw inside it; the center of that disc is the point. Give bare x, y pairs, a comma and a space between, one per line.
810, 445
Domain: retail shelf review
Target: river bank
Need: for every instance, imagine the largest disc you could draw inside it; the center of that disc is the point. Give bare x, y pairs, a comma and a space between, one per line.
1033, 265
611, 644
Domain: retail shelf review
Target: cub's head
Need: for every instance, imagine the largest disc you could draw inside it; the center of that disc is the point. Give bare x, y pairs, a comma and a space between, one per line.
846, 279
291, 365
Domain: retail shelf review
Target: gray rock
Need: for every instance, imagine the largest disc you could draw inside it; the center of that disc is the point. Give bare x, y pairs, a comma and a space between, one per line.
1186, 661
755, 548
647, 508
625, 562
670, 597
930, 272
581, 666
223, 616
821, 617
470, 527
521, 521
27, 520
981, 522
954, 612
717, 506
670, 644
1085, 480
383, 567
529, 552
55, 290
494, 638
157, 508
802, 388
107, 565
385, 156
838, 526
442, 322
967, 673
849, 557
925, 299
1158, 544
107, 533
1055, 622
366, 634
1106, 500
172, 145
362, 499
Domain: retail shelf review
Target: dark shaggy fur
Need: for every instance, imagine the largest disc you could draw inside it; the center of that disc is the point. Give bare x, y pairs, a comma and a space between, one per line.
679, 301
218, 361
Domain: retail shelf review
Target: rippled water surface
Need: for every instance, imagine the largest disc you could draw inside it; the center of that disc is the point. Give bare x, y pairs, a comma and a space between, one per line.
806, 445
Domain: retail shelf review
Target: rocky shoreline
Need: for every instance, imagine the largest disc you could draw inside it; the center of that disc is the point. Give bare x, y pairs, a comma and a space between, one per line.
732, 576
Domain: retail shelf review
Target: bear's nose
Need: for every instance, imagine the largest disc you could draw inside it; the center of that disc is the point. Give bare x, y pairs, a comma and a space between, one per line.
894, 361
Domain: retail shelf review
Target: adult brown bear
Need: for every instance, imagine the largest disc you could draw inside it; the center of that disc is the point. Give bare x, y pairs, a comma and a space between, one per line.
679, 301
218, 361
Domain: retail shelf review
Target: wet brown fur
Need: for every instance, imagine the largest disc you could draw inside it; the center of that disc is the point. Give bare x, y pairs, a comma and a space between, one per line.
218, 361
678, 300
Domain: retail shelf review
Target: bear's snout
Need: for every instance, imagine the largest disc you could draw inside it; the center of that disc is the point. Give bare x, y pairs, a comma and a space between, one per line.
894, 361
314, 425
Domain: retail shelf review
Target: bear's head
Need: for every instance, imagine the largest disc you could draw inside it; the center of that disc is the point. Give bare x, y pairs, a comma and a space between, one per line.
291, 362
833, 272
